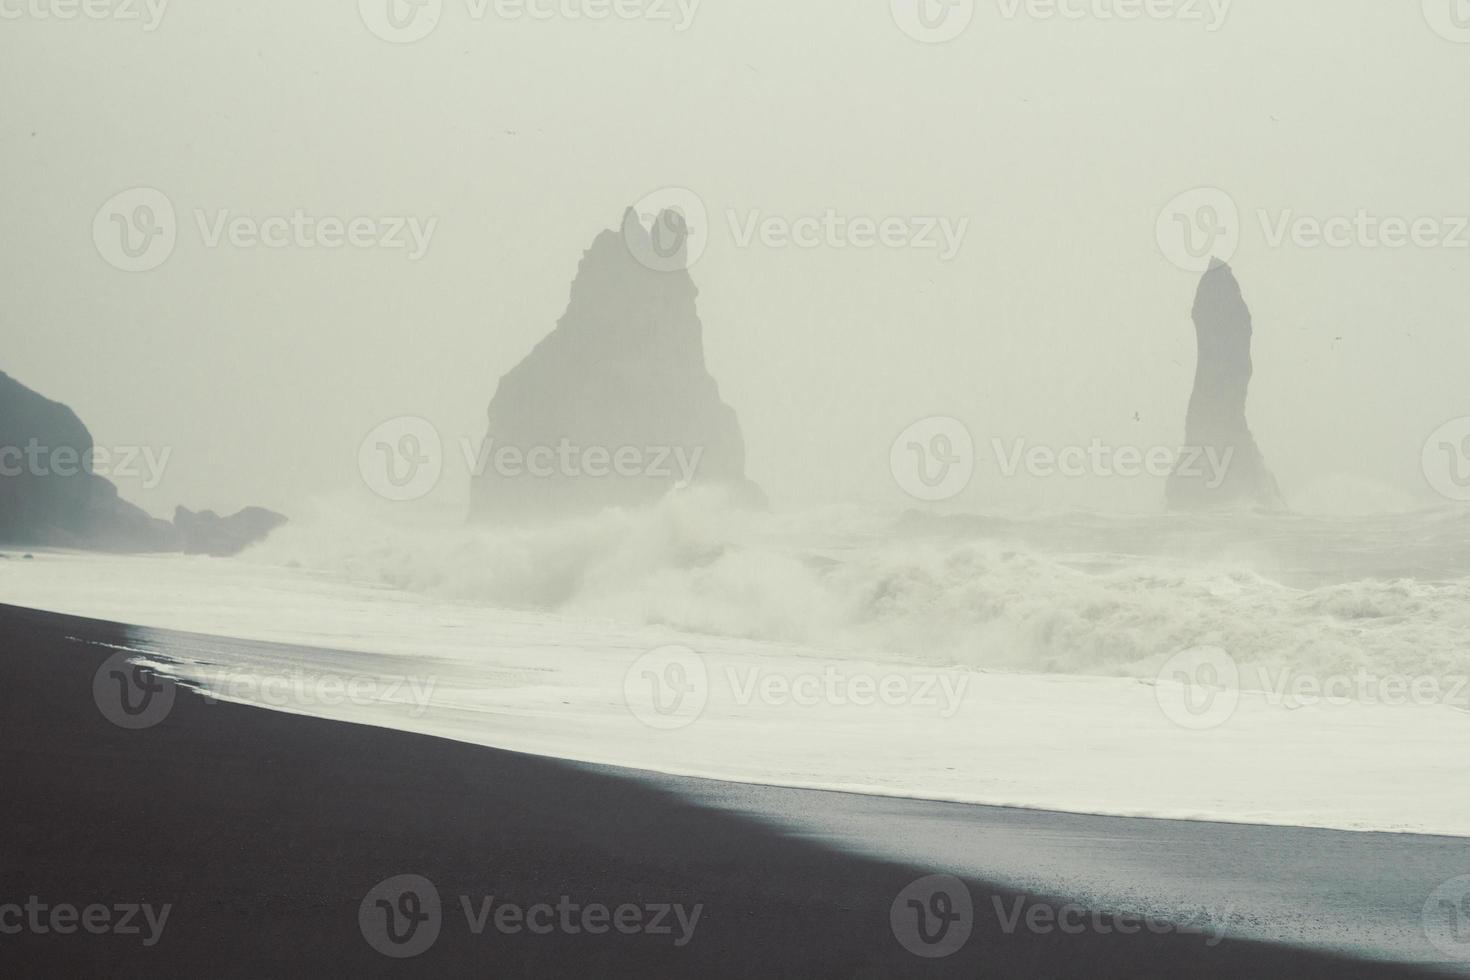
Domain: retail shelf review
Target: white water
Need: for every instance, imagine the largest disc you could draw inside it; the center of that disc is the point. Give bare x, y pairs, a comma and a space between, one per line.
1025, 652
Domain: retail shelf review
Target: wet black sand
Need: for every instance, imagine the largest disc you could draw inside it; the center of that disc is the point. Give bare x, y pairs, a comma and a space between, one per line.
264, 832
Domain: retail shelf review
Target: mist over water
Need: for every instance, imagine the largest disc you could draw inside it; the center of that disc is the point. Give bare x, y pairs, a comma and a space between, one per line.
951, 296
1060, 140
1023, 445
1065, 593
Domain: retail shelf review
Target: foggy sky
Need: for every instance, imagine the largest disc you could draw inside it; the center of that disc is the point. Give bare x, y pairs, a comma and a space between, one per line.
1058, 320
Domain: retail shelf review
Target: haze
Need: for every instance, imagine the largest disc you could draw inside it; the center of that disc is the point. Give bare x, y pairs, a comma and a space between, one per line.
1058, 320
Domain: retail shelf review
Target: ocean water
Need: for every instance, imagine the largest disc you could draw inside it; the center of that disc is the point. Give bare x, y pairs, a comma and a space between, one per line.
1069, 593
1253, 668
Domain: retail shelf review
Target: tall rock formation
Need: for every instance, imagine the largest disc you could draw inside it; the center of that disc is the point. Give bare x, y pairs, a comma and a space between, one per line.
50, 497
615, 407
1216, 423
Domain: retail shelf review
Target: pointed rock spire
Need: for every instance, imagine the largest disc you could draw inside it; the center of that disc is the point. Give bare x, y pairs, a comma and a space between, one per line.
1230, 470
615, 407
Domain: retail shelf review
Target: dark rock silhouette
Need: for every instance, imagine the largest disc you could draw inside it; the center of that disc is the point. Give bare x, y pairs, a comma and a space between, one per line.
615, 407
23, 500
50, 496
206, 533
1216, 423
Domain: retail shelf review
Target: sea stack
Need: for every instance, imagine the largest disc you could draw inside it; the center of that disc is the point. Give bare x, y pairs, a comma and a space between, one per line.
1216, 423
615, 407
50, 496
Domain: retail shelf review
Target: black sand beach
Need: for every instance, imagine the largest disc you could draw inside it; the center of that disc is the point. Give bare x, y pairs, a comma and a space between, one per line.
264, 833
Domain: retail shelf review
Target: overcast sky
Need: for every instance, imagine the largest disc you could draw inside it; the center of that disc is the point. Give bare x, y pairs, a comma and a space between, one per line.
1060, 141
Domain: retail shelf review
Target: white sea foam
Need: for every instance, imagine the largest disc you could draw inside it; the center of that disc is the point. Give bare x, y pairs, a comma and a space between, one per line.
1040, 642
1072, 594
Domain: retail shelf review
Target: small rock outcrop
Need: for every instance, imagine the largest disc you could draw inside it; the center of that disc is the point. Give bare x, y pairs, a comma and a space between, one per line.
50, 497
207, 533
1222, 467
615, 407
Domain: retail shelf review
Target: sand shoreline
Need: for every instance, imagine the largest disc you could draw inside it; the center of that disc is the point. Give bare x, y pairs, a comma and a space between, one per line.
266, 833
